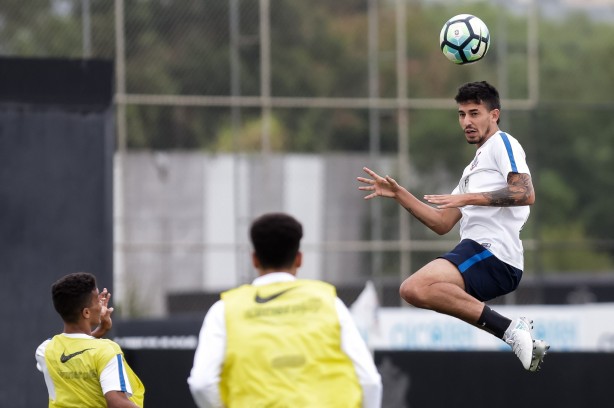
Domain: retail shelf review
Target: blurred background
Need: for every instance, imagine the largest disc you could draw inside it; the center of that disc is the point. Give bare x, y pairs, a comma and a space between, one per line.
225, 109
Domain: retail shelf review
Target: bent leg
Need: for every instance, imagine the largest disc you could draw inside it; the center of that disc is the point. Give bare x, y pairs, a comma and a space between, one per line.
439, 286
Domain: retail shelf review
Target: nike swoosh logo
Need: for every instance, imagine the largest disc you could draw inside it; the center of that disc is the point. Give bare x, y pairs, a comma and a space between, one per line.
477, 47
266, 299
64, 358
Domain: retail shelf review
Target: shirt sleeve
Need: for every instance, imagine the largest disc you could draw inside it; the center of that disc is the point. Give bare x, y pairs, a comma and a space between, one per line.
40, 356
41, 365
354, 346
510, 156
114, 376
204, 378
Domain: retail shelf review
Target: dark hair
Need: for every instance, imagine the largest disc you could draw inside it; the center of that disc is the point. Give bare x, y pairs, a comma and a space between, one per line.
72, 293
479, 92
276, 239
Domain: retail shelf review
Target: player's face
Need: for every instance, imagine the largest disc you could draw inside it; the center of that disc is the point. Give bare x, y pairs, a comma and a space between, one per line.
477, 122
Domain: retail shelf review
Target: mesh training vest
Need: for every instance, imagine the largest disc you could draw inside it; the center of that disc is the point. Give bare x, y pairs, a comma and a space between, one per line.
284, 348
75, 365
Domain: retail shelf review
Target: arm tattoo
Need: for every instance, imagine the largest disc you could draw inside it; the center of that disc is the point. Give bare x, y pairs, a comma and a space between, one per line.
518, 191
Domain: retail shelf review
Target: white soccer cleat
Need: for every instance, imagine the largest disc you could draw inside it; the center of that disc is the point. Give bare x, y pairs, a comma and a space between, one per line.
530, 352
518, 335
540, 348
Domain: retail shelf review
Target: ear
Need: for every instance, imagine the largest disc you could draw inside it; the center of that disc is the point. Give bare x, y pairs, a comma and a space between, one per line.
255, 261
495, 114
298, 260
86, 313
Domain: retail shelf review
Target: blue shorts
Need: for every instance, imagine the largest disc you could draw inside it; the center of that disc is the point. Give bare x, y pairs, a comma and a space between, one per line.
485, 276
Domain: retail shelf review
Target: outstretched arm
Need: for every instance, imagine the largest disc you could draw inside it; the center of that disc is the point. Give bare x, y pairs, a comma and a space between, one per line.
440, 220
519, 191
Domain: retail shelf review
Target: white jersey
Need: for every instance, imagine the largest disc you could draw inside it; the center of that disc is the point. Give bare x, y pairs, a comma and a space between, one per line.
496, 228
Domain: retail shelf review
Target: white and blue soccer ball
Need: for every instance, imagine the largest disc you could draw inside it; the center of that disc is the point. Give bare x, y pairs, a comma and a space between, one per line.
464, 39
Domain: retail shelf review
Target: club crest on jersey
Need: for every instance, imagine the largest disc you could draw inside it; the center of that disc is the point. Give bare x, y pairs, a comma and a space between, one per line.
474, 163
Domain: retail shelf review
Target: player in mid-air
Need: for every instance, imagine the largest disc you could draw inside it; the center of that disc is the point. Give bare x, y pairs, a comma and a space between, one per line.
492, 203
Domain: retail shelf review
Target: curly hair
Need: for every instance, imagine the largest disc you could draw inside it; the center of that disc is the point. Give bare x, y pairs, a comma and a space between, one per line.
71, 294
276, 239
479, 92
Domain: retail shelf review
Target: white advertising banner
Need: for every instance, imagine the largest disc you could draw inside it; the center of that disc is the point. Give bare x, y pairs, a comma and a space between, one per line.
567, 328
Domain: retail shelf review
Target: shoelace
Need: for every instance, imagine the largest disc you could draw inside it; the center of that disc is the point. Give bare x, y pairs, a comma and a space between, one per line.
516, 345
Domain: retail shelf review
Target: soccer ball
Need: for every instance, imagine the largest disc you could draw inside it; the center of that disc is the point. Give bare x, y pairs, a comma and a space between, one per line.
464, 39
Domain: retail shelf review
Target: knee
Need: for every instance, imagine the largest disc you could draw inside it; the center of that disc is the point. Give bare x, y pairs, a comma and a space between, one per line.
411, 293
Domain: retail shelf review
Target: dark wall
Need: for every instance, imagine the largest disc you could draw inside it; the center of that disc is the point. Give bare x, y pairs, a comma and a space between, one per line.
56, 169
163, 371
429, 379
494, 379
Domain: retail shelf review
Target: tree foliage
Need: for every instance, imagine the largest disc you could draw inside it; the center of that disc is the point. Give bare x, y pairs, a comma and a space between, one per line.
319, 48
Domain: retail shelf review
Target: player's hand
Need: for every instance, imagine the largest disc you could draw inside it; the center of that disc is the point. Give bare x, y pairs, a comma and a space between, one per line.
446, 200
380, 186
105, 314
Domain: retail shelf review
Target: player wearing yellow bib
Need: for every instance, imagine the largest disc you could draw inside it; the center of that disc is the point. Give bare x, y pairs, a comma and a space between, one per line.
282, 342
82, 370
